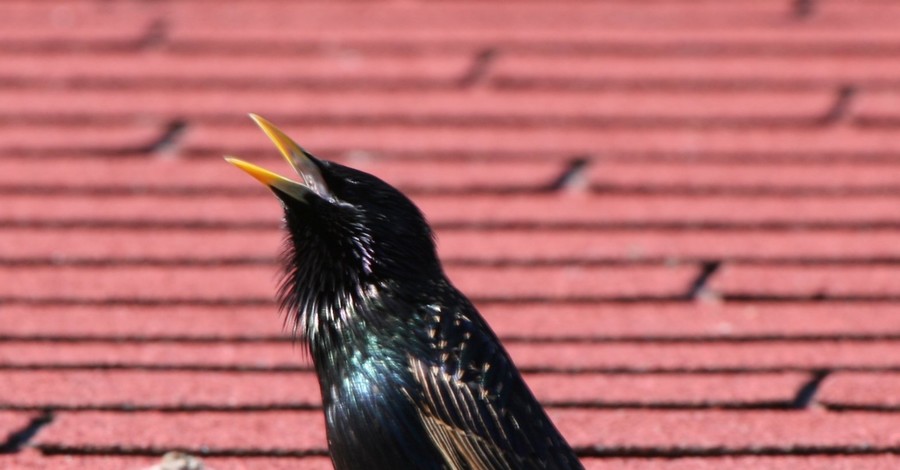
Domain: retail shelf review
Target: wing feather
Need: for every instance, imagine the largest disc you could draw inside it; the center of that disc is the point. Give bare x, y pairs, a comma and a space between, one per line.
461, 448
475, 406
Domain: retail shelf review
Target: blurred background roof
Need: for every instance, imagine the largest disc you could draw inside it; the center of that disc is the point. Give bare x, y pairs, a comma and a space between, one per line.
682, 217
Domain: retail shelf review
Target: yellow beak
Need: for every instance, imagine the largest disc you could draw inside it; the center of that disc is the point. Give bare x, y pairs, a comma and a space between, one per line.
299, 159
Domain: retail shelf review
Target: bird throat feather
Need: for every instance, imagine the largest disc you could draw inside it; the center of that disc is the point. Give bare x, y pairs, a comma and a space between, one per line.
327, 284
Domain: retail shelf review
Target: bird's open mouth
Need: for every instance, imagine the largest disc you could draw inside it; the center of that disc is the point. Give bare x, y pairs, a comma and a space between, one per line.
301, 161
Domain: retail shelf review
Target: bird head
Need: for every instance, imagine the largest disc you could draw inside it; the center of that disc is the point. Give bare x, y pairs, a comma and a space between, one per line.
350, 236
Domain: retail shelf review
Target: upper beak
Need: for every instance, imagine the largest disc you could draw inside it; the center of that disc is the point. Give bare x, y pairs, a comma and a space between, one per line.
300, 160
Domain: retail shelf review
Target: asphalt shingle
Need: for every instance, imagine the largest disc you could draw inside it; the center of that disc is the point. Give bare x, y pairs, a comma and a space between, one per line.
680, 216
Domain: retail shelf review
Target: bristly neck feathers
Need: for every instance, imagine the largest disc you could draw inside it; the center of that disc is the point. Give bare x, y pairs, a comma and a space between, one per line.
352, 273
344, 261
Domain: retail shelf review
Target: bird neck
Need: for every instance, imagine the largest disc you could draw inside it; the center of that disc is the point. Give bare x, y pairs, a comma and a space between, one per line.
360, 344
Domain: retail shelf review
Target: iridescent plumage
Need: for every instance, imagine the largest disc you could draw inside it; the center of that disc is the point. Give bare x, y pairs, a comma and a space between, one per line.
411, 375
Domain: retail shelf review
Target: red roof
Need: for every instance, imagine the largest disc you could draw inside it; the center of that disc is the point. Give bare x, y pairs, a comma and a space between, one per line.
682, 217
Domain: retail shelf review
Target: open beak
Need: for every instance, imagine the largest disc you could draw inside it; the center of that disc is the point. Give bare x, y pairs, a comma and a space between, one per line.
311, 180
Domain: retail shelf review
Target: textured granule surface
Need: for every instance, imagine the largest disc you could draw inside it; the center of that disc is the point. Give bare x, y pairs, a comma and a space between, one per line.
682, 218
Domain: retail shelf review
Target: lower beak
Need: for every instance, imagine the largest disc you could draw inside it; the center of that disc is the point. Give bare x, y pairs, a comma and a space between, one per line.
272, 180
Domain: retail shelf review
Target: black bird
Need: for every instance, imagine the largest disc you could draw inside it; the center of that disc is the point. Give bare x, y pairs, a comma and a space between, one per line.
411, 375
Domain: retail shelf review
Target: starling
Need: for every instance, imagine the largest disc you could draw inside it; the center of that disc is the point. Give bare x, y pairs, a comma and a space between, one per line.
411, 375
